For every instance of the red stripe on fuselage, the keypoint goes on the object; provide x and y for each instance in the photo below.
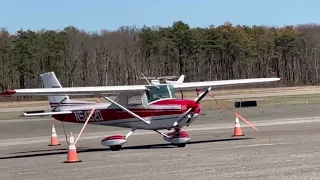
(119, 114)
(114, 114)
(185, 102)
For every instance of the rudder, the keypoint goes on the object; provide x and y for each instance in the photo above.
(181, 79)
(50, 80)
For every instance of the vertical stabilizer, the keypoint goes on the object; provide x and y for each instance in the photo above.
(181, 79)
(50, 81)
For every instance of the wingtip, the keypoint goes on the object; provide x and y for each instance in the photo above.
(279, 79)
(8, 92)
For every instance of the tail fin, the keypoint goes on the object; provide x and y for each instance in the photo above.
(50, 80)
(181, 79)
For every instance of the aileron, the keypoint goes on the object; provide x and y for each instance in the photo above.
(206, 84)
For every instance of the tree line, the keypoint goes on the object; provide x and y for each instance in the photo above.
(227, 51)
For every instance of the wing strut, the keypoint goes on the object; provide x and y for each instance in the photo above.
(125, 109)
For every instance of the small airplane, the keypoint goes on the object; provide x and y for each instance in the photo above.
(159, 108)
(163, 79)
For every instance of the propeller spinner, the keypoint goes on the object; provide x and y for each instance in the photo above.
(189, 111)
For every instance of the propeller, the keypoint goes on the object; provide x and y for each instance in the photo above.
(197, 100)
(202, 95)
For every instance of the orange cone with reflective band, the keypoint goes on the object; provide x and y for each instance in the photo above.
(54, 137)
(237, 128)
(72, 151)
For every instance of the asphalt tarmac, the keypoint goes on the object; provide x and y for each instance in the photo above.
(286, 147)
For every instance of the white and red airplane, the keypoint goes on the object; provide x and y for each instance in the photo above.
(159, 108)
(163, 79)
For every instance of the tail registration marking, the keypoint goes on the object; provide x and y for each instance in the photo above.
(82, 116)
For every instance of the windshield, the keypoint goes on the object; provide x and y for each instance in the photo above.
(160, 92)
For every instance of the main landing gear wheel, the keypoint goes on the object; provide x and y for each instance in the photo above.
(182, 145)
(114, 142)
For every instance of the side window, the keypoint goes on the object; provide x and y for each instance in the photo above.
(134, 101)
(149, 96)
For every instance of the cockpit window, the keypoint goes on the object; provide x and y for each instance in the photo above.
(159, 92)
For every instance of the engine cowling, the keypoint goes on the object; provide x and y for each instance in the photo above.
(180, 137)
(115, 140)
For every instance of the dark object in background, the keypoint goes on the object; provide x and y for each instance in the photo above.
(243, 104)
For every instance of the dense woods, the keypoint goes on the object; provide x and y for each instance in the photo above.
(118, 57)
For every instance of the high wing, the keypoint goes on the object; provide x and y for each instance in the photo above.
(100, 90)
(96, 90)
(221, 83)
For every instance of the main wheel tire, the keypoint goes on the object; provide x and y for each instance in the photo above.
(115, 148)
(181, 145)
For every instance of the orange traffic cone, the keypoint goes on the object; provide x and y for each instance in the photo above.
(237, 128)
(72, 152)
(54, 137)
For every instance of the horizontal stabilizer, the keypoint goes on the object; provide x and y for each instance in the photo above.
(38, 113)
(32, 112)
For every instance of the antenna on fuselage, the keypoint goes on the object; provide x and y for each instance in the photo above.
(145, 79)
(149, 82)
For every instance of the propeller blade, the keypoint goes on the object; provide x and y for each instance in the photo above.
(182, 117)
(202, 95)
(198, 99)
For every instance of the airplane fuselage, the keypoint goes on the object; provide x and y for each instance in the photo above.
(161, 113)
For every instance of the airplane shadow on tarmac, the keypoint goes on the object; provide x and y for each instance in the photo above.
(48, 152)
